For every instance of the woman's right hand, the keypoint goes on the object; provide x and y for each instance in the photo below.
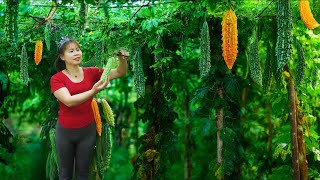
(100, 85)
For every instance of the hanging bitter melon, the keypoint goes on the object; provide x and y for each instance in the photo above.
(47, 35)
(229, 38)
(24, 75)
(301, 64)
(254, 60)
(138, 75)
(11, 21)
(284, 45)
(204, 63)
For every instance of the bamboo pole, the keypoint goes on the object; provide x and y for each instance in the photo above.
(219, 116)
(303, 163)
(293, 123)
(187, 139)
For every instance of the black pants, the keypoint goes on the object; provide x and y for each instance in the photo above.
(75, 149)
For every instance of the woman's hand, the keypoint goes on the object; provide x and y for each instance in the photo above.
(123, 54)
(100, 85)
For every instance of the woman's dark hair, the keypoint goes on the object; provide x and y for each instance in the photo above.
(62, 46)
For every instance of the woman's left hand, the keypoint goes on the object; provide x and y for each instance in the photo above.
(123, 55)
(100, 85)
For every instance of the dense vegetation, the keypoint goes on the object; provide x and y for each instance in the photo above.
(180, 112)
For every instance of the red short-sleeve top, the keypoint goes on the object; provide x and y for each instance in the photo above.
(81, 115)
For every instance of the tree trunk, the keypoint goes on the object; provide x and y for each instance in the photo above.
(270, 126)
(187, 139)
(219, 114)
(293, 123)
(119, 129)
(270, 132)
(303, 163)
(244, 102)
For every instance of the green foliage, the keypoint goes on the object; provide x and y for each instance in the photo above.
(120, 167)
(21, 163)
(282, 172)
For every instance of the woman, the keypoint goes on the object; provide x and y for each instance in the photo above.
(74, 87)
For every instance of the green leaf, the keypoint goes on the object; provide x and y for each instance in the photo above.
(147, 25)
(152, 42)
(154, 23)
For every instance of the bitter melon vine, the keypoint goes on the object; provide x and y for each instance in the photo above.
(83, 11)
(315, 74)
(254, 60)
(267, 74)
(158, 52)
(204, 63)
(24, 75)
(11, 20)
(138, 75)
(99, 54)
(301, 64)
(184, 48)
(284, 33)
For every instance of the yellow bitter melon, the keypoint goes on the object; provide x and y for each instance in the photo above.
(108, 113)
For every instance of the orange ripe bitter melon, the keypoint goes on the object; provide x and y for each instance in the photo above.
(38, 51)
(229, 38)
(306, 15)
